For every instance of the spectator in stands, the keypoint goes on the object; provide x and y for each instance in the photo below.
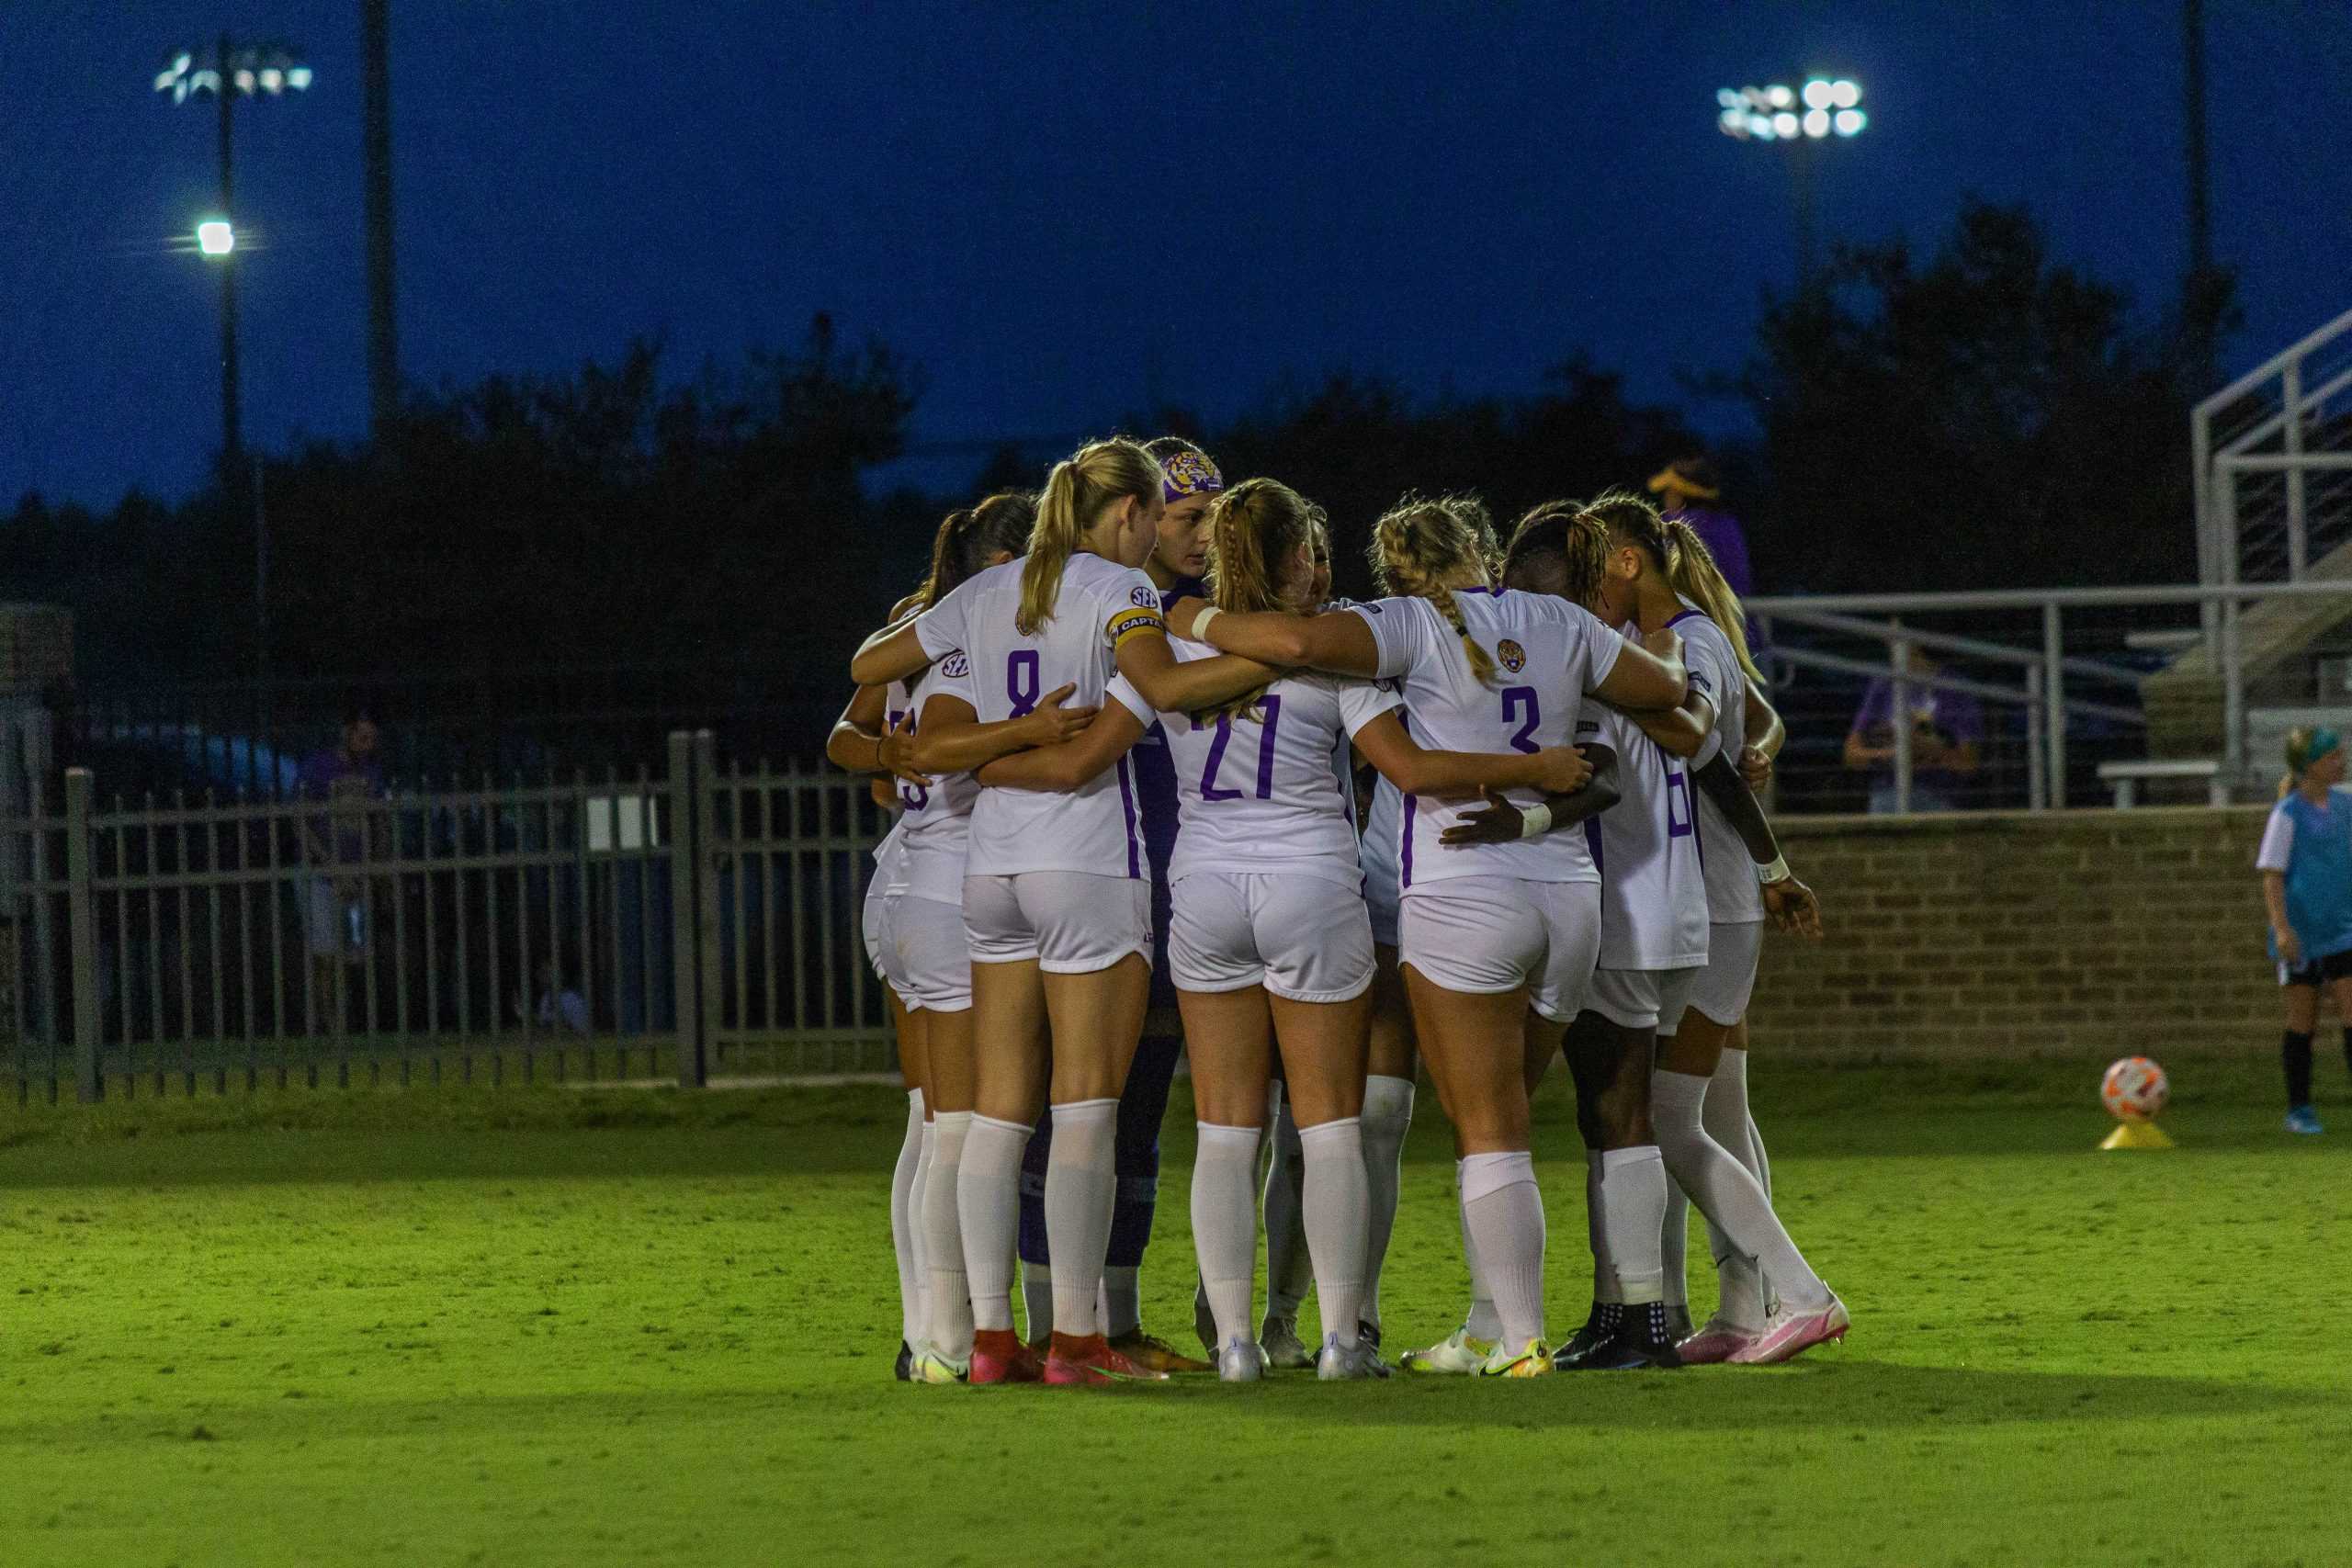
(560, 1007)
(1690, 491)
(348, 777)
(1947, 728)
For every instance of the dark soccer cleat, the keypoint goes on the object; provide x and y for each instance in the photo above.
(1599, 1329)
(905, 1369)
(1644, 1339)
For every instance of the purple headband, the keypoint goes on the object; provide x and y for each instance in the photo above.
(1188, 473)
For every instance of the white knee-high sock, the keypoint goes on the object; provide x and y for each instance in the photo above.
(1723, 1190)
(1482, 1323)
(1744, 1296)
(1505, 1212)
(1674, 1239)
(1289, 1270)
(1387, 1117)
(1225, 1225)
(1337, 1208)
(1081, 1185)
(1632, 1211)
(1605, 1287)
(950, 1314)
(914, 1218)
(988, 1211)
(902, 1224)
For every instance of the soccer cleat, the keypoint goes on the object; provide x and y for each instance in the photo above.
(1794, 1333)
(1087, 1360)
(1204, 1320)
(1150, 1353)
(1457, 1355)
(903, 1369)
(1719, 1341)
(1349, 1363)
(1642, 1340)
(1368, 1336)
(1284, 1348)
(1243, 1360)
(1533, 1360)
(2304, 1120)
(934, 1366)
(1600, 1327)
(998, 1356)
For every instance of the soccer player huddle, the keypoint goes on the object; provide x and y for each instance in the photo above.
(1109, 769)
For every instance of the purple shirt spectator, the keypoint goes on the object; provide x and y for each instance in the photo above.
(1955, 719)
(349, 786)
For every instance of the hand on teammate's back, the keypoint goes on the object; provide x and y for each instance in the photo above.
(1564, 769)
(1181, 614)
(898, 751)
(1496, 823)
(1755, 766)
(1049, 723)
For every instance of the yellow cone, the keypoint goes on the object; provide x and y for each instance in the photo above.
(2136, 1136)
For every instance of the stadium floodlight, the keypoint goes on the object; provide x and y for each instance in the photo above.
(229, 71)
(1824, 106)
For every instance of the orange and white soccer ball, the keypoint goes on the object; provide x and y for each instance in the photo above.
(2135, 1089)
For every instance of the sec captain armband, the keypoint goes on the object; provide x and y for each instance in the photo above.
(1776, 871)
(1128, 623)
(1535, 822)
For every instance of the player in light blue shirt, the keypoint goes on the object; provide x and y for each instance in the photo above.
(2306, 866)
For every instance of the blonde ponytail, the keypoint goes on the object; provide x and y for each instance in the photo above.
(1419, 546)
(1254, 529)
(1082, 487)
(1692, 568)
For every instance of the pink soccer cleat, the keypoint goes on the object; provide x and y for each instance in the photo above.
(1793, 1333)
(1718, 1342)
(998, 1356)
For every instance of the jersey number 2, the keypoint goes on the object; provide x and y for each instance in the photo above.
(1517, 699)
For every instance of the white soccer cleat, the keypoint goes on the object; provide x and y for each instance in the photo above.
(1241, 1362)
(1718, 1342)
(931, 1365)
(1793, 1333)
(1279, 1337)
(1457, 1355)
(1349, 1363)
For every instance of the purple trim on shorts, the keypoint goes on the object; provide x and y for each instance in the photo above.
(1405, 848)
(1127, 817)
(1592, 840)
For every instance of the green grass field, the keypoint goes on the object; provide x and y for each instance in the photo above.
(613, 1327)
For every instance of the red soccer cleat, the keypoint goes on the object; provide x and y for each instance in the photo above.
(998, 1356)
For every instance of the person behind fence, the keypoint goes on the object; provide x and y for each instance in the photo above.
(1947, 730)
(1689, 492)
(561, 1006)
(350, 778)
(2306, 866)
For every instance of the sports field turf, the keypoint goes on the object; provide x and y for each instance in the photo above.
(587, 1326)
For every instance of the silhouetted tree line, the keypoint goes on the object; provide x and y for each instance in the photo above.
(1978, 416)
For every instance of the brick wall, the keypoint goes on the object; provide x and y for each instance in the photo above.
(1986, 934)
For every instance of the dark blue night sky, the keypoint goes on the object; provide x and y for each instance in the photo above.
(1065, 213)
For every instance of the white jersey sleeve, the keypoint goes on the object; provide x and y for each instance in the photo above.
(1123, 692)
(1653, 889)
(1733, 896)
(2277, 840)
(1360, 702)
(942, 629)
(1399, 629)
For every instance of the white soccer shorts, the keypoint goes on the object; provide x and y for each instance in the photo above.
(1068, 922)
(1638, 998)
(1728, 981)
(935, 955)
(1482, 935)
(1305, 939)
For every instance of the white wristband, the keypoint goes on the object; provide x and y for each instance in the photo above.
(1535, 822)
(1776, 871)
(1201, 623)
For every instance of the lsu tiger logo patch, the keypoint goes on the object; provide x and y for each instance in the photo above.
(1512, 655)
(955, 665)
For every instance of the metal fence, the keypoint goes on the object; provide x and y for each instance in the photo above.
(702, 922)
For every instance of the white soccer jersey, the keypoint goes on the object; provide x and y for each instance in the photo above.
(1100, 604)
(1548, 654)
(1733, 896)
(1265, 792)
(938, 816)
(1653, 889)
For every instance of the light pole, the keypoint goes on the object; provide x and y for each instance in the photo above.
(228, 71)
(1823, 107)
